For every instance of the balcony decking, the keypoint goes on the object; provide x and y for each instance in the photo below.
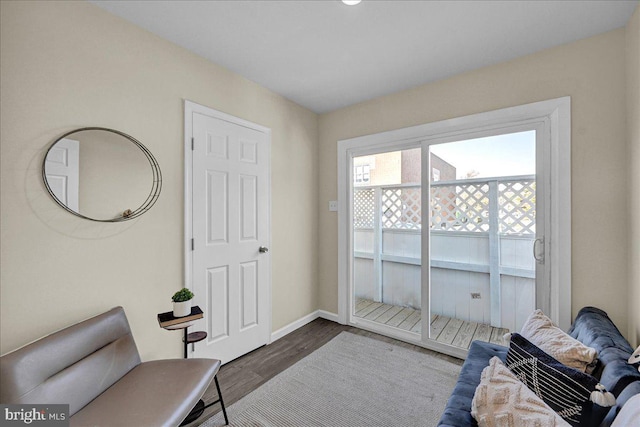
(447, 330)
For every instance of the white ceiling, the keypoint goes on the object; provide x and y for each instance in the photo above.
(324, 55)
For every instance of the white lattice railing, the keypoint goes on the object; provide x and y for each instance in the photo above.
(463, 205)
(401, 207)
(363, 208)
(488, 211)
(517, 206)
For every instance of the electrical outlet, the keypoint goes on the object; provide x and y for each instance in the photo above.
(475, 295)
(333, 206)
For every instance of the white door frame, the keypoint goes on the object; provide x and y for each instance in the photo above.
(190, 108)
(553, 115)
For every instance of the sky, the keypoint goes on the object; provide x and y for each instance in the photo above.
(502, 155)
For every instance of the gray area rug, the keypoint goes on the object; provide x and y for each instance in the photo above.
(351, 381)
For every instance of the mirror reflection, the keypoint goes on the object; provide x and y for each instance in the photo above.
(101, 174)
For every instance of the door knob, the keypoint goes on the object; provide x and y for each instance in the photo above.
(263, 249)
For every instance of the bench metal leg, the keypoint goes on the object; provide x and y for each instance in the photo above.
(224, 410)
(200, 407)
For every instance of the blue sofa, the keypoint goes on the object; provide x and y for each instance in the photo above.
(593, 328)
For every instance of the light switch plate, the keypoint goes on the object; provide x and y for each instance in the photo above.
(333, 206)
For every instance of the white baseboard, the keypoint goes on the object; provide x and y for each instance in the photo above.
(294, 325)
(301, 322)
(328, 315)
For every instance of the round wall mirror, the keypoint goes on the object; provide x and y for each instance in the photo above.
(101, 174)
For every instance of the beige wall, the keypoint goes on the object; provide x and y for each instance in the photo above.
(592, 72)
(70, 64)
(633, 128)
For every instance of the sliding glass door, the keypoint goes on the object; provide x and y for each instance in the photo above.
(445, 229)
(481, 229)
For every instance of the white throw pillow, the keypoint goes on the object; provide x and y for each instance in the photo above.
(541, 331)
(629, 415)
(501, 400)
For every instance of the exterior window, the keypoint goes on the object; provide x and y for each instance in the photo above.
(436, 174)
(362, 174)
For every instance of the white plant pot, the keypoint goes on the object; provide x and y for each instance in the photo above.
(181, 309)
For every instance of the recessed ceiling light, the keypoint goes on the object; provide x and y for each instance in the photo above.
(351, 2)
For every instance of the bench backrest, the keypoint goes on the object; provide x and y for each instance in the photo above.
(73, 365)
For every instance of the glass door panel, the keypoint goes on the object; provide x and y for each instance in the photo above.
(386, 210)
(482, 228)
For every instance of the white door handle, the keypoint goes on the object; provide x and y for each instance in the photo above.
(539, 258)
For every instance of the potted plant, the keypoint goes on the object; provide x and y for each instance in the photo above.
(182, 302)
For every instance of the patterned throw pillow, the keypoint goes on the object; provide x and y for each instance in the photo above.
(541, 331)
(502, 400)
(566, 390)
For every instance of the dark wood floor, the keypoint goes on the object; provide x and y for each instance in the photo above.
(243, 375)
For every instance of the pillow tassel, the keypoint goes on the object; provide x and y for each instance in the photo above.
(602, 397)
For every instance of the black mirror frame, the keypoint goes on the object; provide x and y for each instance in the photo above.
(127, 215)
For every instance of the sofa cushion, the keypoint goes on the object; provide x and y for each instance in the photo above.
(156, 393)
(630, 414)
(594, 328)
(458, 410)
(566, 390)
(540, 330)
(501, 399)
(622, 399)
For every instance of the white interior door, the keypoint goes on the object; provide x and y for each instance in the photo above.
(230, 203)
(63, 173)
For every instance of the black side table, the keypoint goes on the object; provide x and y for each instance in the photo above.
(169, 322)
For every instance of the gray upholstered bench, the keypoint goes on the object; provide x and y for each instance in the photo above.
(94, 366)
